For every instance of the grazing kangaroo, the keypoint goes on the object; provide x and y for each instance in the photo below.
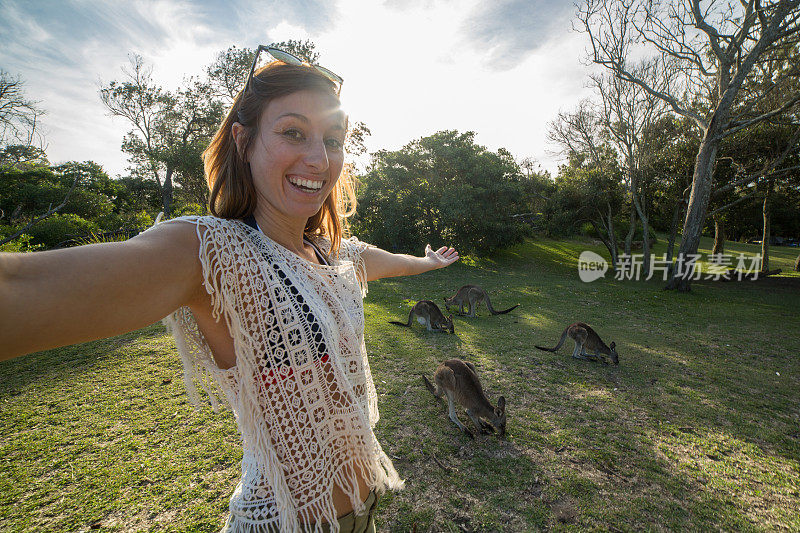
(586, 339)
(459, 381)
(472, 295)
(429, 315)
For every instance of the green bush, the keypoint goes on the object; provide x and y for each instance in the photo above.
(190, 208)
(20, 244)
(59, 228)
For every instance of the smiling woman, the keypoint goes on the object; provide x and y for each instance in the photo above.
(264, 298)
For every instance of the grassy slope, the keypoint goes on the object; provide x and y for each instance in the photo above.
(697, 428)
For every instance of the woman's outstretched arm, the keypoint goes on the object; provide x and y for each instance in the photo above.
(61, 297)
(382, 264)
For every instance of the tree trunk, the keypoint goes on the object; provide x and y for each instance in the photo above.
(641, 209)
(645, 247)
(698, 204)
(673, 232)
(719, 238)
(606, 242)
(166, 193)
(765, 235)
(631, 230)
(612, 236)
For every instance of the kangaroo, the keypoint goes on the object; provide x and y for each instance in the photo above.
(429, 315)
(459, 381)
(472, 295)
(586, 339)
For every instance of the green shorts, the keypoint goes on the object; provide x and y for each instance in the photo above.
(363, 523)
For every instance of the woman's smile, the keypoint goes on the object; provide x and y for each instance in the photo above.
(305, 185)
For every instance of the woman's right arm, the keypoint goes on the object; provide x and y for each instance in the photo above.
(61, 297)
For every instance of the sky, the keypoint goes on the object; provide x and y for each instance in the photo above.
(502, 68)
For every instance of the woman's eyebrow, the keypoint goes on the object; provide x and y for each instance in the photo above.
(290, 114)
(294, 115)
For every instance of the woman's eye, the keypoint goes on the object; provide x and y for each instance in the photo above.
(334, 143)
(293, 134)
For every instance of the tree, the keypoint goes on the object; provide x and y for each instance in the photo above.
(21, 140)
(228, 73)
(142, 103)
(442, 188)
(745, 174)
(186, 131)
(627, 114)
(711, 52)
(170, 129)
(23, 196)
(593, 170)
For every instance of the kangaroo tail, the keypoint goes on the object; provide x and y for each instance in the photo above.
(407, 324)
(506, 311)
(429, 385)
(491, 309)
(557, 346)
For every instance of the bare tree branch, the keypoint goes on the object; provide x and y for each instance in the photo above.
(49, 212)
(711, 214)
(741, 125)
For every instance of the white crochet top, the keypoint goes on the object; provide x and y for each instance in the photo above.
(301, 390)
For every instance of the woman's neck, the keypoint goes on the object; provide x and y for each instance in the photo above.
(287, 232)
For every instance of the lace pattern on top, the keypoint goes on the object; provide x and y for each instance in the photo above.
(301, 390)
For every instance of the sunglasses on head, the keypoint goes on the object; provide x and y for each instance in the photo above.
(291, 59)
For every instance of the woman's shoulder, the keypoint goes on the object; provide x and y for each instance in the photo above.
(353, 246)
(195, 229)
(349, 247)
(201, 220)
(200, 224)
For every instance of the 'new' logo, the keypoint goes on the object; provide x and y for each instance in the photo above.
(591, 266)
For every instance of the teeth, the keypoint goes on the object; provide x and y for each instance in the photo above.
(309, 184)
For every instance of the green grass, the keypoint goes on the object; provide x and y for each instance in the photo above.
(698, 428)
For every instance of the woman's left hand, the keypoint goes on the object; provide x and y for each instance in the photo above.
(442, 257)
(382, 264)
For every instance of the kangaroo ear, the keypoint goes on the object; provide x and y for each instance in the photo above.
(501, 403)
(613, 345)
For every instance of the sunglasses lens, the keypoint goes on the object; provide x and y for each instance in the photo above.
(286, 57)
(291, 59)
(330, 75)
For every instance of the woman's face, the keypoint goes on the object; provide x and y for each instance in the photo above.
(298, 153)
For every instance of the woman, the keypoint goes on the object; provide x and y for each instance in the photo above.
(264, 299)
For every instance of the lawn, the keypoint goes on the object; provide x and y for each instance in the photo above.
(698, 427)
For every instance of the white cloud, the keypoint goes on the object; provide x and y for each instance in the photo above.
(508, 31)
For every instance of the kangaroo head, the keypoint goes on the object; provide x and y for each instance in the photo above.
(499, 421)
(448, 302)
(448, 324)
(614, 356)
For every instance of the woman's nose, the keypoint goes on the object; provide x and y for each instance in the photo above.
(317, 156)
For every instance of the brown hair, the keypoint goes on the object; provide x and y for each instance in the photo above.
(228, 172)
